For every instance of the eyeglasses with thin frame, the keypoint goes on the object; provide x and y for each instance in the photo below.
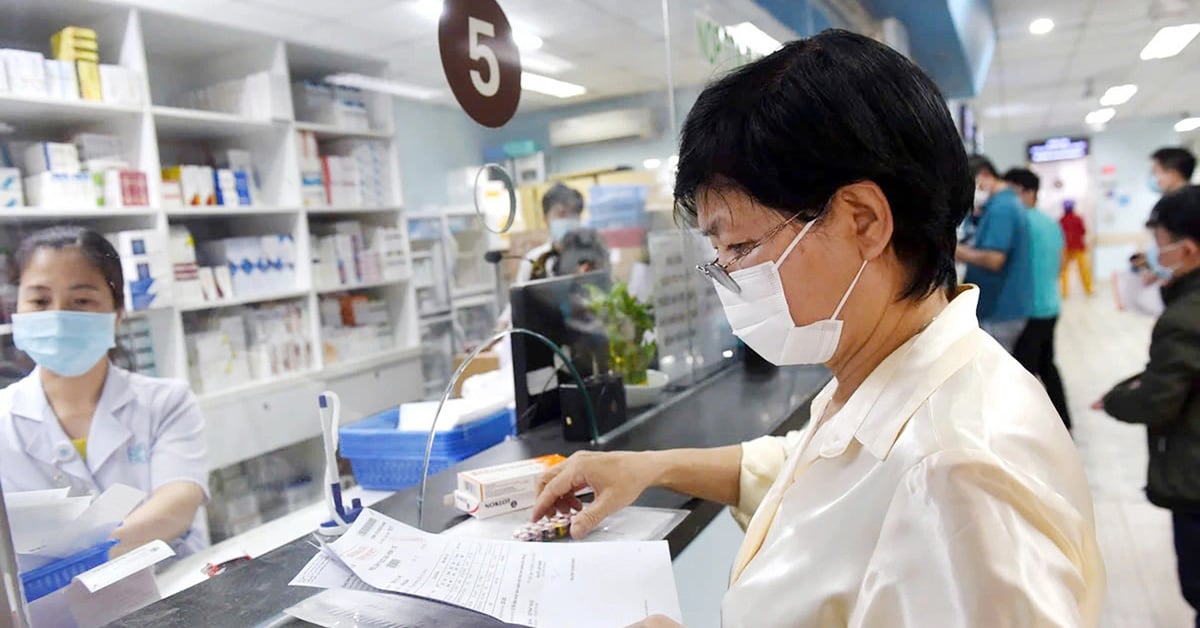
(719, 272)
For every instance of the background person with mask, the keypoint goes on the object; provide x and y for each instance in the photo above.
(1165, 397)
(1035, 347)
(1171, 169)
(80, 421)
(562, 207)
(830, 178)
(999, 261)
(571, 245)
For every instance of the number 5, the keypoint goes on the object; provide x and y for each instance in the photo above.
(475, 28)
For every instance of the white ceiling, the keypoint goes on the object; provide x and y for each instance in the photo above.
(611, 47)
(1049, 82)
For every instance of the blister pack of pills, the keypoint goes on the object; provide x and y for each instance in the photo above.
(545, 529)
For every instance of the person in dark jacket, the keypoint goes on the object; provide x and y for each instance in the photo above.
(1166, 396)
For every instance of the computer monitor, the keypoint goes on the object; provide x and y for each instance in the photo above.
(558, 309)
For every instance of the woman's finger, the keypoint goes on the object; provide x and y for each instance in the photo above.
(558, 487)
(589, 518)
(548, 475)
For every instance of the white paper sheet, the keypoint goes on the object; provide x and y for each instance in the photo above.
(95, 524)
(533, 584)
(633, 523)
(59, 527)
(36, 523)
(325, 572)
(35, 498)
(340, 608)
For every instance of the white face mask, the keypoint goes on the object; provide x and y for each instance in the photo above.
(760, 316)
(981, 197)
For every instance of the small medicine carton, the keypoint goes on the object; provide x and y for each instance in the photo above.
(492, 491)
(11, 194)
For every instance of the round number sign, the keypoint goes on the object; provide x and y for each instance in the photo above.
(480, 59)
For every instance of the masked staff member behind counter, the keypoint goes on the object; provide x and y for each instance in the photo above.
(935, 485)
(80, 421)
(571, 248)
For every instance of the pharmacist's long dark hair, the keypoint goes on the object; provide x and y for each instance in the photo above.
(95, 248)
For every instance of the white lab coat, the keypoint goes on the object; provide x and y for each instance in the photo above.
(145, 433)
(946, 492)
(525, 268)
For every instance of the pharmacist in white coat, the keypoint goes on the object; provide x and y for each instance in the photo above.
(80, 421)
(934, 485)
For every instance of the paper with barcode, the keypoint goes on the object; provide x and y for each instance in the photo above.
(533, 584)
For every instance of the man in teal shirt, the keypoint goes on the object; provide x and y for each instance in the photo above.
(1035, 347)
(999, 261)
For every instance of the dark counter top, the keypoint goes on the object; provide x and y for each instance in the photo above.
(730, 408)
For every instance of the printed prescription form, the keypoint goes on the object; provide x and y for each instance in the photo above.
(532, 584)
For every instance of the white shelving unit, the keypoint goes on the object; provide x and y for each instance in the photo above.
(459, 284)
(246, 300)
(174, 55)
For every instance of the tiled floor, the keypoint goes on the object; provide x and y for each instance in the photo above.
(1096, 347)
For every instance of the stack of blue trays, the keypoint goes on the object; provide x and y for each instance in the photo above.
(386, 459)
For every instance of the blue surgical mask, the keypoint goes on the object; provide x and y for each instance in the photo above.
(560, 227)
(1162, 272)
(1152, 183)
(67, 343)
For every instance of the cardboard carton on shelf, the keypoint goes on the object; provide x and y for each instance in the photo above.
(485, 362)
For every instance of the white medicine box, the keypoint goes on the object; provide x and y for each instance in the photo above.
(11, 192)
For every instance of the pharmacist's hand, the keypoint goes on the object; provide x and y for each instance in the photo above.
(617, 478)
(657, 621)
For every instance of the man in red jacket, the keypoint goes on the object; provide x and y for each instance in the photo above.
(1077, 253)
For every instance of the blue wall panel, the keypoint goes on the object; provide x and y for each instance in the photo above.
(952, 40)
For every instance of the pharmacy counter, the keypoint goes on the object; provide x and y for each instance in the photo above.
(732, 407)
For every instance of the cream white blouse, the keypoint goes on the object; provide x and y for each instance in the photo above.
(946, 492)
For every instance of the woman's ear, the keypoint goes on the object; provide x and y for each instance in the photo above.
(870, 215)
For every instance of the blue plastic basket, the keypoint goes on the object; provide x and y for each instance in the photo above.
(47, 579)
(386, 459)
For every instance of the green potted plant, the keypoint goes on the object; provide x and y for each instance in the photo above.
(631, 344)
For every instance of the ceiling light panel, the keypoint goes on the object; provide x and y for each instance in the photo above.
(550, 87)
(1100, 116)
(1118, 95)
(527, 42)
(431, 9)
(1187, 125)
(1170, 41)
(753, 37)
(1041, 26)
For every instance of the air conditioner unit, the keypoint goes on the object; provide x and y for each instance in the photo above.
(617, 124)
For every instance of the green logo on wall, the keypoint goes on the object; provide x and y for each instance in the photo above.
(719, 47)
